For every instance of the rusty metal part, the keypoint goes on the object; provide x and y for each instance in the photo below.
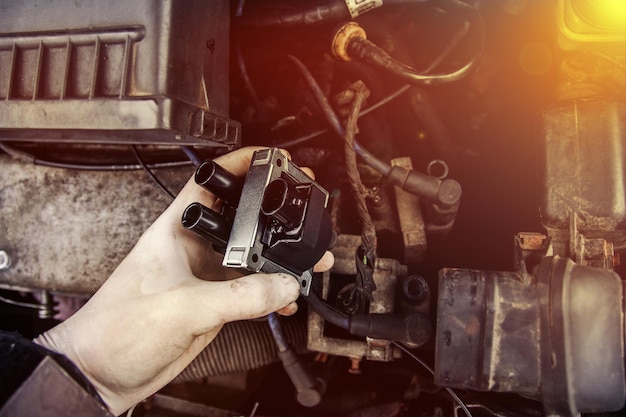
(386, 273)
(511, 332)
(594, 252)
(410, 219)
(39, 205)
(598, 251)
(532, 241)
(529, 249)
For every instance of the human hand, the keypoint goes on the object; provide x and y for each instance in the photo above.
(165, 303)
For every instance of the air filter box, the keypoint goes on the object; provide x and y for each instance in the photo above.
(115, 72)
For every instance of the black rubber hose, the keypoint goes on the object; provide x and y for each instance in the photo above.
(372, 54)
(412, 328)
(291, 13)
(329, 314)
(241, 346)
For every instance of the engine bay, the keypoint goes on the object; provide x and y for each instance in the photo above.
(469, 179)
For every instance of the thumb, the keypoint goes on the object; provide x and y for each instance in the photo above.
(244, 298)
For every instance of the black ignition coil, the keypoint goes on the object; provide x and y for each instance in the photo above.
(273, 221)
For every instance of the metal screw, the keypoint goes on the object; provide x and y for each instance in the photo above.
(5, 260)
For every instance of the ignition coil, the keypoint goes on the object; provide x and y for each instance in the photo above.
(274, 221)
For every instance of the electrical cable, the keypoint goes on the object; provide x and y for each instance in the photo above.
(369, 158)
(290, 14)
(321, 100)
(254, 409)
(429, 369)
(277, 332)
(151, 174)
(192, 155)
(443, 193)
(247, 82)
(110, 168)
(333, 120)
(365, 284)
(375, 106)
(360, 48)
(309, 389)
(20, 303)
(302, 139)
(385, 100)
(240, 5)
(392, 96)
(19, 154)
(449, 47)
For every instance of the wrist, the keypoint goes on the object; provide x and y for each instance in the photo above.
(59, 343)
(27, 367)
